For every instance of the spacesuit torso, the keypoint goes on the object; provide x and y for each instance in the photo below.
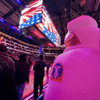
(76, 72)
(75, 75)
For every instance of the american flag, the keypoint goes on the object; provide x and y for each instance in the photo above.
(48, 28)
(31, 14)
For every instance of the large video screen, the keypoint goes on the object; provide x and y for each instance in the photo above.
(31, 14)
(48, 28)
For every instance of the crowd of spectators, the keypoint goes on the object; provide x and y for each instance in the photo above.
(20, 65)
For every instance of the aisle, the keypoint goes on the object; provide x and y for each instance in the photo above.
(30, 96)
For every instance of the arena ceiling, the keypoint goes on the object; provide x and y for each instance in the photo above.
(61, 12)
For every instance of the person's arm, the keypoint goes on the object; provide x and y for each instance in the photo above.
(35, 66)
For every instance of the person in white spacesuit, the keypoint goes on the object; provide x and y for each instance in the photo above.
(76, 72)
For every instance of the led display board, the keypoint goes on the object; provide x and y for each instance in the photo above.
(36, 14)
(48, 28)
(50, 44)
(31, 14)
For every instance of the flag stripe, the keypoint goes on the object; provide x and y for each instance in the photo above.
(31, 15)
(33, 9)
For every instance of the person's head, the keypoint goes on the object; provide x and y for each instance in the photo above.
(3, 48)
(71, 40)
(41, 57)
(85, 30)
(22, 57)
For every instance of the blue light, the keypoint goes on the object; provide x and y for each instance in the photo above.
(13, 27)
(29, 37)
(2, 20)
(19, 31)
(41, 50)
(18, 1)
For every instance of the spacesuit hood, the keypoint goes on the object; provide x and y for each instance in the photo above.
(85, 28)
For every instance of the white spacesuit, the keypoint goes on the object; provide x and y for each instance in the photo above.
(76, 72)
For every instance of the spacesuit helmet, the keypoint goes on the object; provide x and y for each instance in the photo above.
(84, 30)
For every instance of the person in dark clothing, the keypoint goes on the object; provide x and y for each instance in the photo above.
(21, 74)
(7, 78)
(29, 61)
(38, 75)
(48, 65)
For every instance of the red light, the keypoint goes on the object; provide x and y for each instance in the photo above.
(50, 44)
(37, 33)
(83, 2)
(16, 27)
(63, 45)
